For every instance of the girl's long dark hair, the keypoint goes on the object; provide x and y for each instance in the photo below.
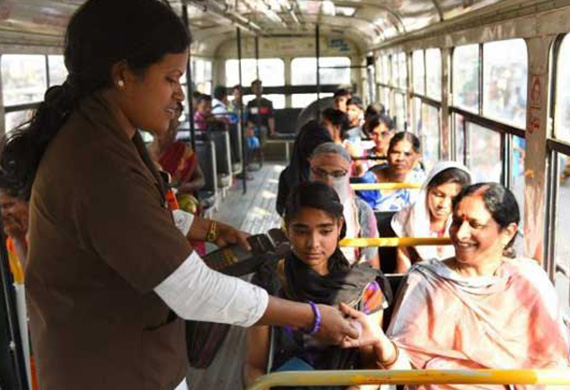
(100, 34)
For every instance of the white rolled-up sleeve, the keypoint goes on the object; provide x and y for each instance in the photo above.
(196, 292)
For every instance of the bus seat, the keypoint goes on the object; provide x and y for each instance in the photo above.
(206, 152)
(285, 120)
(387, 255)
(395, 281)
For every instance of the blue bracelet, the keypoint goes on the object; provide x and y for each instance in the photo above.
(318, 319)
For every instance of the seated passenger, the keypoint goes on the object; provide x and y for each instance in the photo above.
(220, 104)
(311, 135)
(203, 113)
(340, 98)
(356, 119)
(330, 164)
(430, 214)
(314, 271)
(15, 211)
(479, 309)
(380, 130)
(403, 155)
(336, 122)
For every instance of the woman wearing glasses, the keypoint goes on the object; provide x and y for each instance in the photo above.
(330, 164)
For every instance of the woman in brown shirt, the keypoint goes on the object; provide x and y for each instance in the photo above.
(109, 274)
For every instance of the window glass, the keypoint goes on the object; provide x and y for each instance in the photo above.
(395, 71)
(24, 78)
(403, 70)
(16, 118)
(518, 146)
(386, 70)
(303, 71)
(484, 158)
(562, 248)
(400, 111)
(419, 68)
(385, 97)
(417, 115)
(562, 111)
(505, 68)
(433, 77)
(466, 77)
(302, 100)
(57, 70)
(277, 100)
(429, 135)
(378, 69)
(271, 72)
(459, 132)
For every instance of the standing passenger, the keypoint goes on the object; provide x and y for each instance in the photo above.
(340, 98)
(260, 111)
(109, 274)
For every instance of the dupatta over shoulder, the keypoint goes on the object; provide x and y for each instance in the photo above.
(507, 321)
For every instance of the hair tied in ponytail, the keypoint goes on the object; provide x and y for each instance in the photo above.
(60, 98)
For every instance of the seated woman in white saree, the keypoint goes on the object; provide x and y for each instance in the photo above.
(430, 214)
(479, 309)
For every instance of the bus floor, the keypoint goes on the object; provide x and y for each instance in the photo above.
(253, 212)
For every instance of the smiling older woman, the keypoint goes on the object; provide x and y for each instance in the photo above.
(479, 309)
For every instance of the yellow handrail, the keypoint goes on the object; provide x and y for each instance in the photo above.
(384, 186)
(413, 377)
(394, 241)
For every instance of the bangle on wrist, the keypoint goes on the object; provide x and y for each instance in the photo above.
(212, 234)
(318, 319)
(388, 363)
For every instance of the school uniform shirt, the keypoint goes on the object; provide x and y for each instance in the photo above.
(262, 108)
(102, 242)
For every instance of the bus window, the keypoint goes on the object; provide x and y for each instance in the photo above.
(277, 100)
(562, 248)
(303, 71)
(16, 118)
(271, 72)
(562, 113)
(386, 70)
(504, 81)
(57, 70)
(518, 146)
(395, 79)
(24, 78)
(202, 75)
(466, 77)
(433, 74)
(429, 133)
(400, 111)
(419, 72)
(302, 100)
(484, 158)
(385, 98)
(403, 70)
(459, 134)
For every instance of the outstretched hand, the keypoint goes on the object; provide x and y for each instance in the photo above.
(335, 328)
(370, 333)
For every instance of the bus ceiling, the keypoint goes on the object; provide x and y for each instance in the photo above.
(365, 23)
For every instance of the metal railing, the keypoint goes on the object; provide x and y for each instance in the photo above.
(394, 241)
(413, 377)
(384, 186)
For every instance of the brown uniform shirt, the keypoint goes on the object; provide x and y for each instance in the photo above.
(100, 240)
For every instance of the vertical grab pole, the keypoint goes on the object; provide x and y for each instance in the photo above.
(257, 57)
(15, 347)
(189, 82)
(318, 55)
(240, 121)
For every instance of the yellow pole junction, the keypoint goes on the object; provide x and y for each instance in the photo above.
(394, 241)
(413, 377)
(384, 186)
